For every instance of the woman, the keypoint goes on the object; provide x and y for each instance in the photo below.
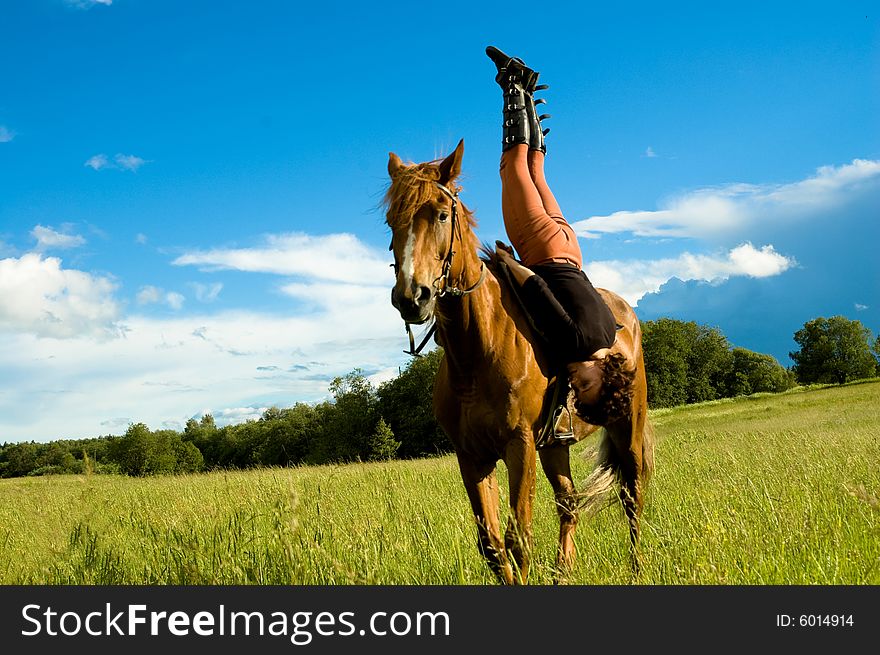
(577, 327)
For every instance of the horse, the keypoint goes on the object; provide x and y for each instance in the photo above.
(491, 386)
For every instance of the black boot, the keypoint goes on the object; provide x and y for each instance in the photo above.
(514, 76)
(536, 132)
(517, 123)
(512, 69)
(511, 74)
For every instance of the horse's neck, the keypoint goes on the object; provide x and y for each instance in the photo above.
(468, 325)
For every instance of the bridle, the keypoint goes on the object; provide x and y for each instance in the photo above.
(442, 285)
(447, 288)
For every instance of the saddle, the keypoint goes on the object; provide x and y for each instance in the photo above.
(556, 416)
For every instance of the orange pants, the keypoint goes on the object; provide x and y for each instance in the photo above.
(532, 217)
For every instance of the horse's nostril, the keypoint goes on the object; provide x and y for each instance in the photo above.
(423, 295)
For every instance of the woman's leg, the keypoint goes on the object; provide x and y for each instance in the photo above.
(532, 217)
(536, 170)
(521, 204)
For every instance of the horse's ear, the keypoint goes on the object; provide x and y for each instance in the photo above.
(394, 164)
(450, 168)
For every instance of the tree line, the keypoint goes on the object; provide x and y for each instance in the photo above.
(685, 363)
(360, 423)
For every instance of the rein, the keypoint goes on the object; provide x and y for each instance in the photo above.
(442, 284)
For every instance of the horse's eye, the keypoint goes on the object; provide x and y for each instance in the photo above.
(444, 216)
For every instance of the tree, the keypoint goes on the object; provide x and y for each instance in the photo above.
(351, 421)
(55, 458)
(189, 458)
(876, 349)
(690, 363)
(382, 444)
(833, 350)
(18, 459)
(709, 361)
(664, 346)
(288, 434)
(205, 436)
(143, 452)
(753, 372)
(406, 403)
(132, 451)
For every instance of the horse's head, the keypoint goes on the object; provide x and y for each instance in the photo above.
(424, 215)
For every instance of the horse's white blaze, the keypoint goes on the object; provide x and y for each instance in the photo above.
(407, 267)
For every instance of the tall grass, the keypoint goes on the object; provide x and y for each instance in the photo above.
(762, 490)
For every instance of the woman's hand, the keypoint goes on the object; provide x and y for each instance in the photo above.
(505, 254)
(504, 251)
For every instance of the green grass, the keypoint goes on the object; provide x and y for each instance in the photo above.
(763, 490)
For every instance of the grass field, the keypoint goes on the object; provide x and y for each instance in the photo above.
(763, 490)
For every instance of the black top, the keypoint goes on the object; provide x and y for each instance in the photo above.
(566, 309)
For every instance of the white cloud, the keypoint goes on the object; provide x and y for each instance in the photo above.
(649, 153)
(233, 415)
(149, 295)
(173, 368)
(6, 135)
(735, 208)
(386, 374)
(120, 162)
(633, 279)
(141, 238)
(207, 292)
(39, 297)
(334, 257)
(860, 307)
(329, 295)
(746, 260)
(47, 239)
(87, 4)
(165, 368)
(175, 300)
(129, 162)
(97, 162)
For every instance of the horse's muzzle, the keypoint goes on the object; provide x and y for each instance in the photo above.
(416, 304)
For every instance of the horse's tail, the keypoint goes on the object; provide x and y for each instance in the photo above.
(596, 490)
(611, 467)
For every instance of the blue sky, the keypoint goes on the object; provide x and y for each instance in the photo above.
(189, 192)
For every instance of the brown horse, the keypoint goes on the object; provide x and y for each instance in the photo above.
(491, 386)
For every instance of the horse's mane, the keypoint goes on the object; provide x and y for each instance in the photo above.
(411, 187)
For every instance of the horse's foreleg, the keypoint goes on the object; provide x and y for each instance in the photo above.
(482, 490)
(557, 468)
(519, 457)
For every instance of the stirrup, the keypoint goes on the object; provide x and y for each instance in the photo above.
(552, 437)
(563, 436)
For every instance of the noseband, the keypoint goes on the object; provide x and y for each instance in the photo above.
(442, 285)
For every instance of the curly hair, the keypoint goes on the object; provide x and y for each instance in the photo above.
(615, 399)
